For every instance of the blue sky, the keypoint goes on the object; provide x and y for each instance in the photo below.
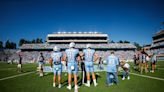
(132, 20)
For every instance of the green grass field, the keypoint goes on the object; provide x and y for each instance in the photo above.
(33, 83)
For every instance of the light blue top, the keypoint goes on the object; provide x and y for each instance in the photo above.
(71, 55)
(112, 62)
(56, 56)
(89, 54)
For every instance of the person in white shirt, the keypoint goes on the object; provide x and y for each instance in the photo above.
(126, 70)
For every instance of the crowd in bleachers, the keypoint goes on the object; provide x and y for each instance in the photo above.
(8, 54)
(158, 44)
(32, 56)
(99, 46)
(156, 51)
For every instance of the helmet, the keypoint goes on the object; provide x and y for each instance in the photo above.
(88, 46)
(55, 48)
(72, 44)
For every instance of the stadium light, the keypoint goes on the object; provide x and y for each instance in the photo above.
(85, 32)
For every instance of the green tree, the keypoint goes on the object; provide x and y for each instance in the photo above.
(1, 44)
(126, 41)
(13, 45)
(22, 41)
(163, 23)
(120, 41)
(39, 40)
(10, 45)
(33, 41)
(112, 41)
(138, 46)
(7, 45)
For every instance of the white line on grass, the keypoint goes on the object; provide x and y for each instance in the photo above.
(156, 78)
(13, 68)
(10, 77)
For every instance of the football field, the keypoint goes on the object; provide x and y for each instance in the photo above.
(29, 81)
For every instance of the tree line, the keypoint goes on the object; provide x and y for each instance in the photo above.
(8, 45)
(138, 46)
(12, 45)
(34, 41)
(120, 41)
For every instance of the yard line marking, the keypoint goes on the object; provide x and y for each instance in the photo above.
(15, 68)
(156, 78)
(10, 77)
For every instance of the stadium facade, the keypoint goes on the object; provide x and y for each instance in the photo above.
(77, 37)
(158, 40)
(157, 46)
(98, 41)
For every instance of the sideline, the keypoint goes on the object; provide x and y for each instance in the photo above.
(150, 77)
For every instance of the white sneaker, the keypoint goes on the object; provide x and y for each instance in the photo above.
(76, 87)
(88, 85)
(54, 85)
(41, 74)
(123, 78)
(59, 86)
(110, 84)
(128, 78)
(95, 84)
(76, 90)
(69, 87)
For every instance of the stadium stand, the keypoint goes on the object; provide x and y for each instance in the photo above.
(157, 46)
(99, 41)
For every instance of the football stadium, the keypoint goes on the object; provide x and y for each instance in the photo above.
(29, 79)
(81, 45)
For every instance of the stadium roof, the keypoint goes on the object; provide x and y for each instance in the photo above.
(159, 33)
(95, 32)
(77, 35)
